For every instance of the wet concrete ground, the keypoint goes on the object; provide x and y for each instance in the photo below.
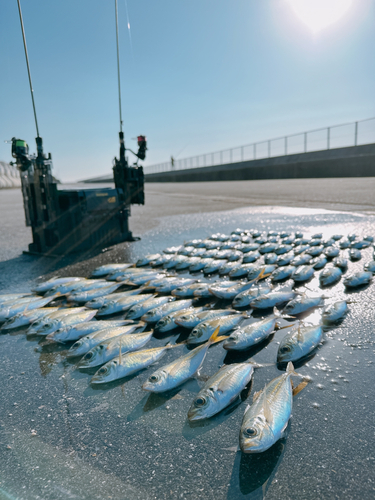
(121, 443)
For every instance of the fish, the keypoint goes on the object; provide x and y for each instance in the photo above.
(142, 308)
(10, 309)
(186, 291)
(303, 273)
(358, 279)
(258, 271)
(102, 301)
(301, 260)
(154, 315)
(370, 266)
(330, 276)
(169, 322)
(331, 252)
(176, 259)
(251, 257)
(303, 303)
(361, 244)
(344, 244)
(269, 258)
(129, 363)
(52, 324)
(141, 279)
(174, 283)
(144, 261)
(109, 349)
(229, 293)
(191, 319)
(84, 344)
(268, 247)
(27, 317)
(243, 299)
(355, 254)
(284, 260)
(281, 273)
(77, 331)
(187, 263)
(107, 269)
(221, 390)
(314, 251)
(83, 297)
(83, 285)
(51, 283)
(334, 312)
(229, 267)
(122, 304)
(11, 297)
(283, 249)
(204, 330)
(201, 264)
(243, 338)
(341, 263)
(266, 420)
(214, 266)
(130, 271)
(178, 371)
(299, 343)
(272, 299)
(319, 262)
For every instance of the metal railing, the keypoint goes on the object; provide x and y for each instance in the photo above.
(336, 136)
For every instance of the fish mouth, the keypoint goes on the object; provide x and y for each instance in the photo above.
(229, 343)
(51, 336)
(194, 416)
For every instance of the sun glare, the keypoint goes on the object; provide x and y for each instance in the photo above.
(318, 14)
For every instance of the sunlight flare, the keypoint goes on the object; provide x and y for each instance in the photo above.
(318, 14)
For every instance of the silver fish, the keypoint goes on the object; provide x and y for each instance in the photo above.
(169, 322)
(330, 276)
(200, 264)
(7, 310)
(27, 317)
(174, 283)
(243, 299)
(154, 315)
(341, 263)
(11, 297)
(50, 325)
(221, 390)
(83, 285)
(243, 338)
(77, 331)
(299, 343)
(83, 297)
(84, 344)
(109, 269)
(193, 318)
(142, 308)
(266, 419)
(334, 312)
(204, 330)
(147, 260)
(47, 285)
(302, 303)
(122, 304)
(186, 291)
(129, 363)
(102, 301)
(358, 279)
(109, 349)
(303, 273)
(272, 299)
(178, 371)
(281, 273)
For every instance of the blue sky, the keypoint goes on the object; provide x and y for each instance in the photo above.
(200, 76)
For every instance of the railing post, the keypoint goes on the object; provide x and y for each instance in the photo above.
(255, 151)
(356, 134)
(241, 153)
(269, 149)
(286, 145)
(305, 142)
(328, 136)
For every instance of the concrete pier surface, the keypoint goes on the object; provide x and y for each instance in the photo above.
(162, 199)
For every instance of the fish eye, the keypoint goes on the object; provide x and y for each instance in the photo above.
(88, 355)
(153, 378)
(200, 401)
(47, 325)
(286, 348)
(250, 431)
(103, 370)
(162, 322)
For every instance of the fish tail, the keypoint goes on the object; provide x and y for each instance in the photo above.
(213, 337)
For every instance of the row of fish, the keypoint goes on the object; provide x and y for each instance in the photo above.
(140, 292)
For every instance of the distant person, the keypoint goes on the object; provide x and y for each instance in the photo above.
(172, 162)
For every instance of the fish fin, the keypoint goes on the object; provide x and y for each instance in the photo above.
(276, 312)
(256, 395)
(299, 334)
(220, 339)
(266, 408)
(213, 337)
(290, 370)
(300, 387)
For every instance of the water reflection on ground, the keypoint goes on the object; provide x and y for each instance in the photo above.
(62, 438)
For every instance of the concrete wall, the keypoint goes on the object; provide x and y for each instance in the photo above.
(356, 161)
(9, 176)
